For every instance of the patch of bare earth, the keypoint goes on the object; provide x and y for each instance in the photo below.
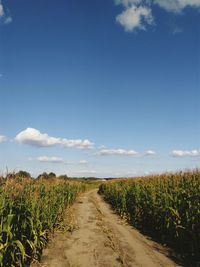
(100, 238)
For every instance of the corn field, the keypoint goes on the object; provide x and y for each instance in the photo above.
(29, 210)
(166, 207)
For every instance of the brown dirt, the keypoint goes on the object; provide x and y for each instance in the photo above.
(100, 238)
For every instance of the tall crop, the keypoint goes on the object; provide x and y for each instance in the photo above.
(165, 206)
(28, 210)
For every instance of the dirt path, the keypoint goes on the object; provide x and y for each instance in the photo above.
(102, 239)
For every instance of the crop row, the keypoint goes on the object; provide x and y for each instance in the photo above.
(29, 210)
(166, 207)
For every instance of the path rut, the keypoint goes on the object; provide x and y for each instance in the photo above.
(101, 238)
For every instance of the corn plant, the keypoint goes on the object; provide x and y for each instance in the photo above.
(28, 211)
(165, 206)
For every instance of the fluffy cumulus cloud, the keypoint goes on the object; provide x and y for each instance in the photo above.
(31, 136)
(34, 137)
(1, 10)
(137, 14)
(117, 152)
(186, 153)
(3, 138)
(135, 17)
(4, 17)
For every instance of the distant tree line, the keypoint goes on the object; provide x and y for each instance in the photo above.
(51, 175)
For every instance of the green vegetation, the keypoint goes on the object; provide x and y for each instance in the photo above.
(29, 210)
(166, 207)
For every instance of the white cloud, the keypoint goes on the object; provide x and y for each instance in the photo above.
(87, 171)
(4, 16)
(124, 152)
(102, 147)
(34, 137)
(1, 10)
(8, 20)
(80, 162)
(186, 153)
(127, 3)
(117, 152)
(55, 159)
(169, 5)
(83, 162)
(135, 18)
(150, 153)
(3, 138)
(177, 5)
(81, 144)
(136, 14)
(177, 30)
(50, 159)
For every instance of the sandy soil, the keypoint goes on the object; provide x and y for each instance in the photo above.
(100, 238)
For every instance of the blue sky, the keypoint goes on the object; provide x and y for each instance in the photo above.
(103, 88)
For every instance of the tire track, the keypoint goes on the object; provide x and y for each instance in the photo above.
(101, 238)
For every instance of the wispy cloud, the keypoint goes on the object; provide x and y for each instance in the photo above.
(86, 172)
(81, 144)
(177, 30)
(8, 20)
(117, 152)
(50, 159)
(186, 153)
(124, 152)
(137, 14)
(177, 6)
(34, 137)
(102, 147)
(55, 159)
(127, 3)
(83, 162)
(3, 138)
(150, 153)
